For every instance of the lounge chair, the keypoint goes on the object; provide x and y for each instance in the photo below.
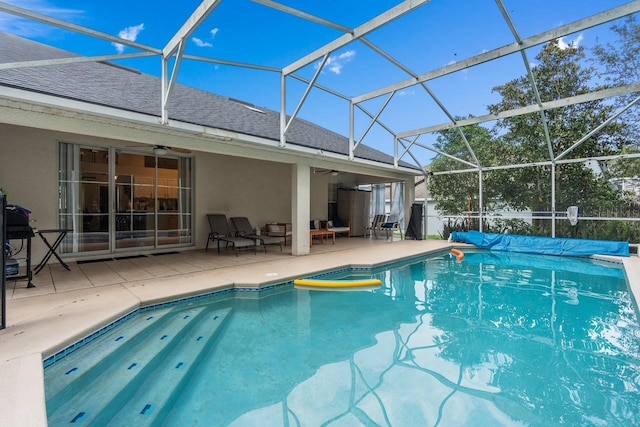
(378, 220)
(220, 232)
(244, 229)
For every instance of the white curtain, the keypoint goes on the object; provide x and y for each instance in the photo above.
(378, 202)
(397, 203)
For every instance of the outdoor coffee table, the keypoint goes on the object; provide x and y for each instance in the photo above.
(321, 234)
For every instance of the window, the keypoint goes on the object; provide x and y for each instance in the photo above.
(151, 199)
(332, 200)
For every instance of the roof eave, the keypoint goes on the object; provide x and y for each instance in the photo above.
(32, 109)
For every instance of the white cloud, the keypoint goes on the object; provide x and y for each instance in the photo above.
(201, 43)
(27, 28)
(575, 43)
(130, 33)
(408, 92)
(336, 63)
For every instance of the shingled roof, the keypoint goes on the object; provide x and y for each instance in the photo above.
(126, 89)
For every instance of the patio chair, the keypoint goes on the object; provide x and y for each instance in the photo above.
(220, 232)
(280, 230)
(378, 220)
(337, 226)
(390, 226)
(243, 228)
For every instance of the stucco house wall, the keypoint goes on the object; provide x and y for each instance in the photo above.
(234, 186)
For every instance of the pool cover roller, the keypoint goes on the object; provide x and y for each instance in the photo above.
(541, 245)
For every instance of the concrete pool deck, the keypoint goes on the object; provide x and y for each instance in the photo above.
(66, 305)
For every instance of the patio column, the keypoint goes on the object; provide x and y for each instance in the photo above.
(300, 208)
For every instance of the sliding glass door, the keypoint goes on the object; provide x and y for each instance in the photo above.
(150, 199)
(135, 191)
(174, 201)
(83, 204)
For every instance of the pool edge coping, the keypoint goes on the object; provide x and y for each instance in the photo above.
(27, 404)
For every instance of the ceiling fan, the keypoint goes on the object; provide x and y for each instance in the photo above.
(331, 172)
(161, 150)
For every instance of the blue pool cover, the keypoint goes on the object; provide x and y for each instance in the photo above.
(541, 245)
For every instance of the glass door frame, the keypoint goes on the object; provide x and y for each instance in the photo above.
(72, 209)
(135, 215)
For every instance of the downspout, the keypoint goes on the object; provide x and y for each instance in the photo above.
(283, 109)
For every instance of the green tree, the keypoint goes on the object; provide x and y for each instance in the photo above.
(618, 64)
(559, 74)
(626, 168)
(457, 193)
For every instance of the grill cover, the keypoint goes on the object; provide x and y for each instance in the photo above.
(16, 218)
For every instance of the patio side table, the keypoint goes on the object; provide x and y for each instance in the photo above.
(62, 233)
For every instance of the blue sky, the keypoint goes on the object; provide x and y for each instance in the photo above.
(439, 33)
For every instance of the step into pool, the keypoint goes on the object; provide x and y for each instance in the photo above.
(497, 339)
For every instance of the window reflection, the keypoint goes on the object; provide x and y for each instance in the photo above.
(152, 202)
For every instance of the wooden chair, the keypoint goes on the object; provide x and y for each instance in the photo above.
(280, 229)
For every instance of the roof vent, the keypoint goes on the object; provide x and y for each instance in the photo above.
(247, 105)
(257, 110)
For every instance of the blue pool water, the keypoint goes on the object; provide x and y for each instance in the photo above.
(499, 339)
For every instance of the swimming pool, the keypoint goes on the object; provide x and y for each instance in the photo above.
(499, 339)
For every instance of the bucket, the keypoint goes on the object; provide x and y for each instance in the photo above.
(12, 267)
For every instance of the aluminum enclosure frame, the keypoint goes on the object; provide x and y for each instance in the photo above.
(405, 142)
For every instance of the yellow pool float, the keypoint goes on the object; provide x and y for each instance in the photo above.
(338, 284)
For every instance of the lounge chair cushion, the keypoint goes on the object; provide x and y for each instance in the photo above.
(238, 242)
(274, 228)
(331, 225)
(279, 230)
